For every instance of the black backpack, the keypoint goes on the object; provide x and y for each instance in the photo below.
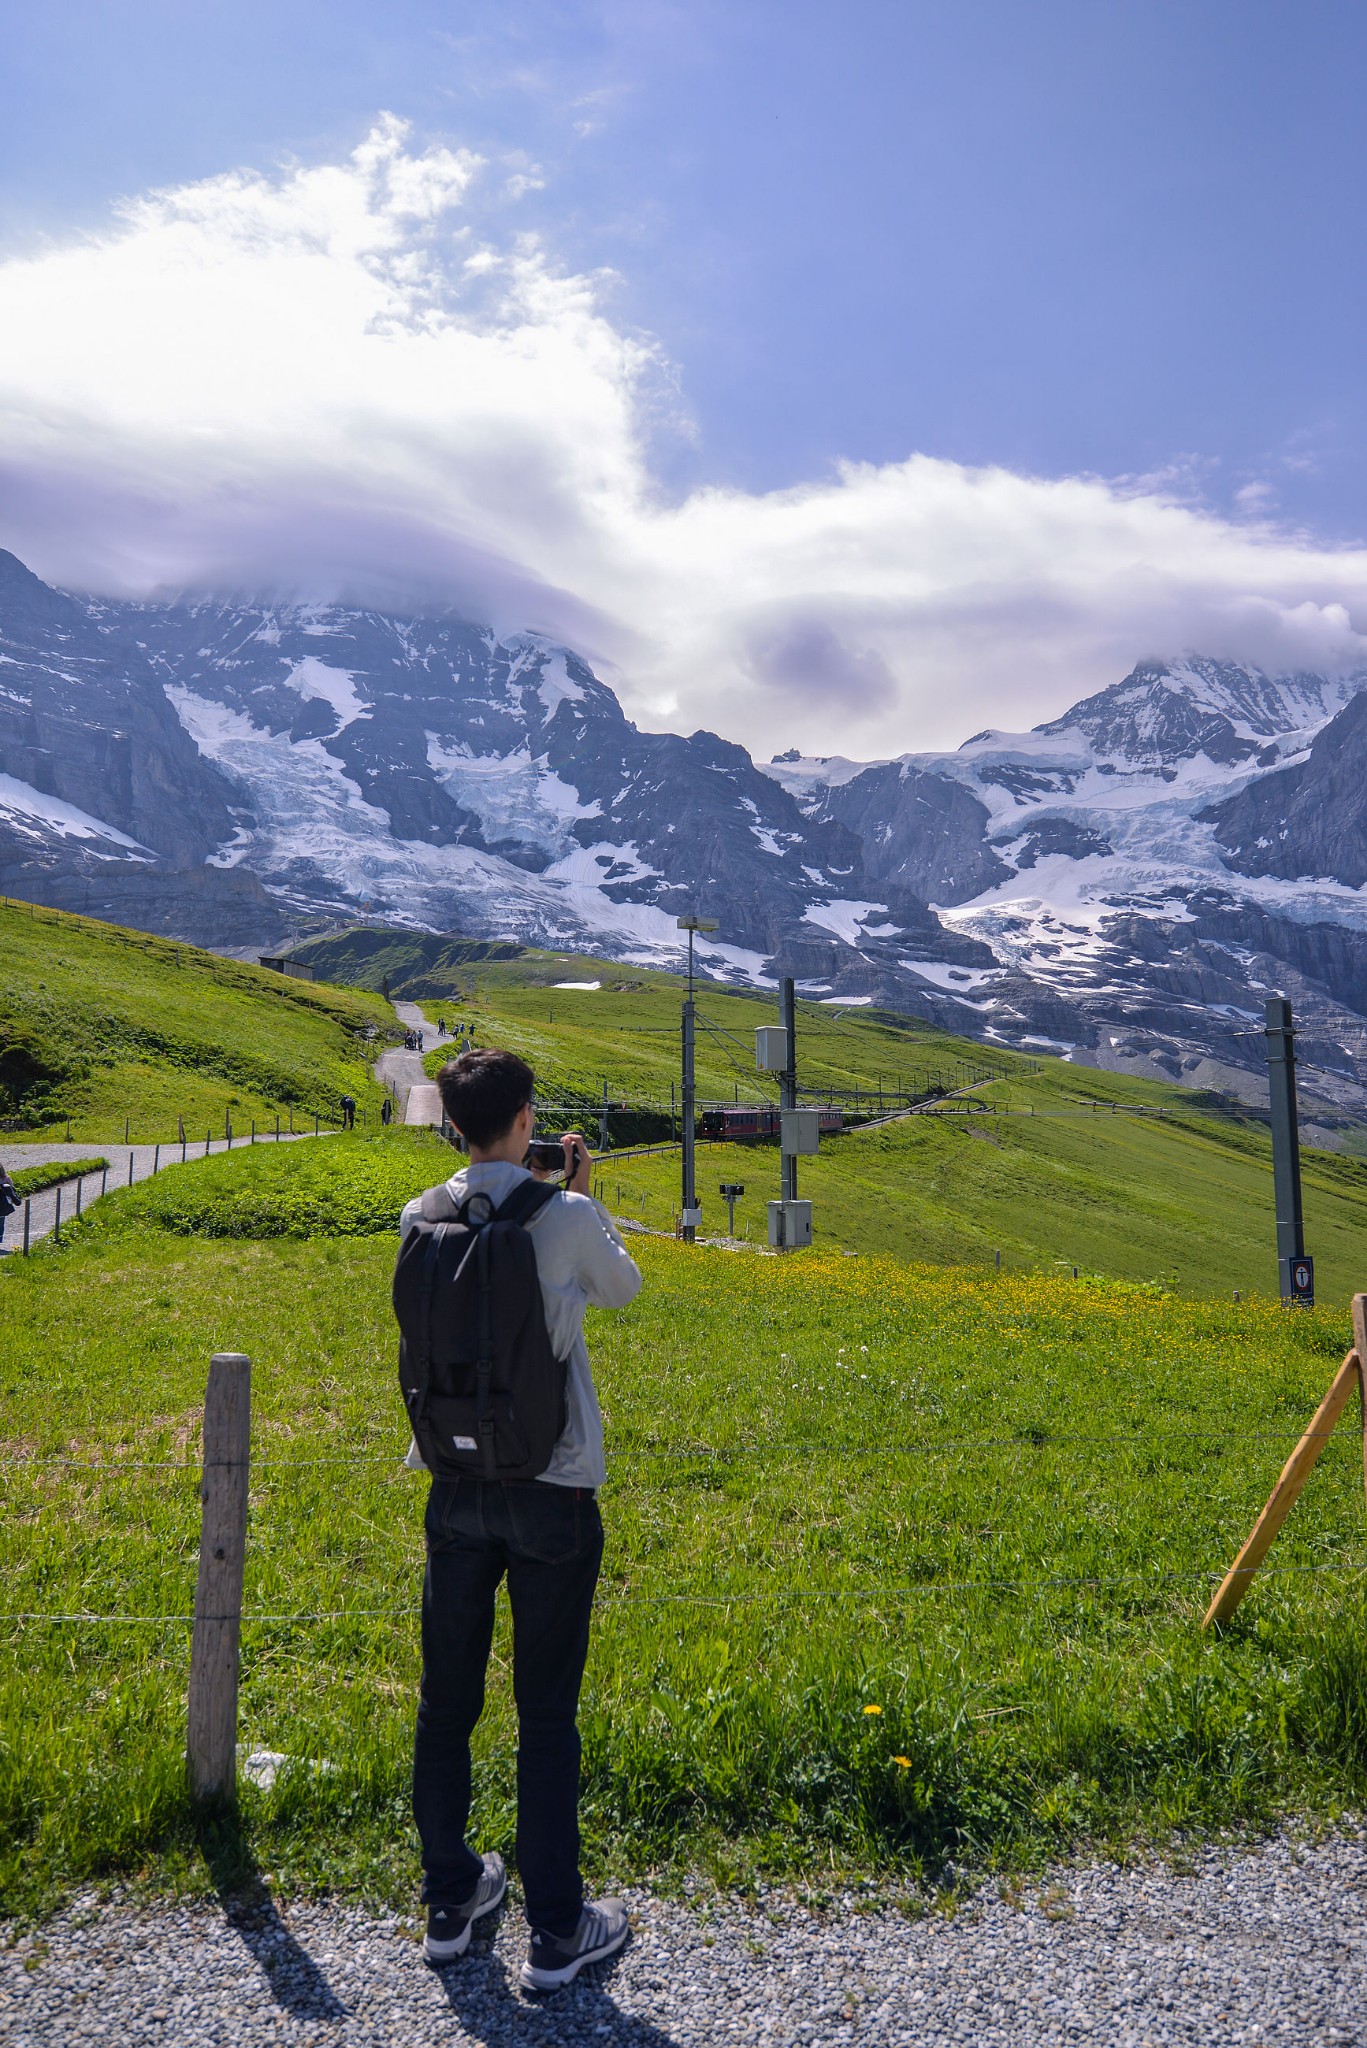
(485, 1392)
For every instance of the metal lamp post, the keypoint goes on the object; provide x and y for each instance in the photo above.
(690, 1213)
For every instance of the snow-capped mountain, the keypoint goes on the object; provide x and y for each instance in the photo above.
(1146, 868)
(1127, 881)
(352, 763)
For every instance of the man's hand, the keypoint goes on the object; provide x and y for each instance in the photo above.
(578, 1163)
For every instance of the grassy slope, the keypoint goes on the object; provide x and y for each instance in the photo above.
(1185, 1196)
(1015, 1579)
(99, 1023)
(1130, 1198)
(627, 1034)
(31, 1180)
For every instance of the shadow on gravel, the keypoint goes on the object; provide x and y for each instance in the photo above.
(295, 1980)
(485, 1997)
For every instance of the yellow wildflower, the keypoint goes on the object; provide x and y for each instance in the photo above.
(873, 1710)
(904, 1761)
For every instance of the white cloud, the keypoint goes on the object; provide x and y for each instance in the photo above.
(330, 381)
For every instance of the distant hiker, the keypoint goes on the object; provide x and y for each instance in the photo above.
(514, 1497)
(348, 1112)
(387, 1111)
(441, 1027)
(420, 1043)
(10, 1200)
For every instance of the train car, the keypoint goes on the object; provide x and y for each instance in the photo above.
(747, 1123)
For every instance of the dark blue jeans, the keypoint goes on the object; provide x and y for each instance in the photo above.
(549, 1542)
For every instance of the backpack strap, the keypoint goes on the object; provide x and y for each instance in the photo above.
(484, 1361)
(527, 1199)
(439, 1205)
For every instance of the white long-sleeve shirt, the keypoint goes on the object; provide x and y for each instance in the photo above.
(580, 1259)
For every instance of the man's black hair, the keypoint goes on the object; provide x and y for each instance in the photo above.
(482, 1093)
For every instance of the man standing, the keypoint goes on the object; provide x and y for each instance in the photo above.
(10, 1200)
(546, 1536)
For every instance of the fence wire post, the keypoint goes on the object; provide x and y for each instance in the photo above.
(26, 1220)
(212, 1717)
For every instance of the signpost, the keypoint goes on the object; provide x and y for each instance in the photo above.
(730, 1192)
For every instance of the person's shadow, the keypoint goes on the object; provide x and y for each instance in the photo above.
(295, 1980)
(483, 1993)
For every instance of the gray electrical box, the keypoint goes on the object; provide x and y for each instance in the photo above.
(799, 1130)
(771, 1049)
(790, 1225)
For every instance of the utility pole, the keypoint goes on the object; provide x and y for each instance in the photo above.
(1295, 1272)
(787, 1080)
(690, 1213)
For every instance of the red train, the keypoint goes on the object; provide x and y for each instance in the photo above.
(741, 1122)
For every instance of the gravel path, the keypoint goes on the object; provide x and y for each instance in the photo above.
(419, 1102)
(1265, 1947)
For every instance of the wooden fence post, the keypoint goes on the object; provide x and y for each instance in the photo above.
(212, 1726)
(1294, 1474)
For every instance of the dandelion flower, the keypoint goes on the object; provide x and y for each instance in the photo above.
(873, 1710)
(904, 1761)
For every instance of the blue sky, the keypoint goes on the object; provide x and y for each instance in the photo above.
(1067, 240)
(1058, 236)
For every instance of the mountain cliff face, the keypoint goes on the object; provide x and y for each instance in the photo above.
(1306, 820)
(336, 762)
(1126, 882)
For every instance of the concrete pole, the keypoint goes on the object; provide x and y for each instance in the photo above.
(787, 1080)
(690, 1179)
(1286, 1151)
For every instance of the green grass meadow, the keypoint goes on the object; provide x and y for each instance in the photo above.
(905, 1573)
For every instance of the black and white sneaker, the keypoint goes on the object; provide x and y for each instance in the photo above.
(553, 1959)
(449, 1927)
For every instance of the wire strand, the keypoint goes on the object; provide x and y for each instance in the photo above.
(645, 1448)
(676, 1597)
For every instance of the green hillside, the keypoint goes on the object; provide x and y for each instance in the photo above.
(624, 1033)
(414, 966)
(1181, 1202)
(1133, 1179)
(99, 1024)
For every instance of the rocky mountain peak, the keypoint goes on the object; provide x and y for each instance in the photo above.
(1168, 712)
